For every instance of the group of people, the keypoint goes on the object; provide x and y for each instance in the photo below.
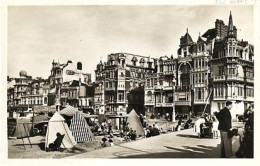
(152, 130)
(227, 132)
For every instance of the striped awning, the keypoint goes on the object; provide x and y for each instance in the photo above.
(68, 110)
(40, 119)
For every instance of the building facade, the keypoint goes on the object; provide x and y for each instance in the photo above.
(204, 75)
(119, 83)
(232, 68)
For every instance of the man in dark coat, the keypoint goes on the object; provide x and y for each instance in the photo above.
(224, 118)
(155, 130)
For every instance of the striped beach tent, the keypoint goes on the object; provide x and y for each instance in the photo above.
(80, 128)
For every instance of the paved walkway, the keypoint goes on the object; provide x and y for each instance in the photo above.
(181, 144)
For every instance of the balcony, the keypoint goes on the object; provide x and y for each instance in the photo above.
(168, 73)
(219, 98)
(97, 91)
(63, 96)
(251, 80)
(249, 99)
(158, 87)
(167, 88)
(201, 101)
(110, 89)
(201, 69)
(148, 87)
(182, 103)
(219, 78)
(121, 101)
(149, 103)
(234, 77)
(164, 105)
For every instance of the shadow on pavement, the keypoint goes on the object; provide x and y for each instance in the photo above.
(199, 151)
(187, 136)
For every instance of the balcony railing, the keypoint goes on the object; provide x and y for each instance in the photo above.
(112, 88)
(234, 77)
(168, 72)
(98, 91)
(251, 80)
(149, 103)
(164, 104)
(167, 88)
(201, 101)
(158, 87)
(179, 103)
(219, 78)
(219, 97)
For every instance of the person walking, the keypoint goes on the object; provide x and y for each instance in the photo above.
(224, 118)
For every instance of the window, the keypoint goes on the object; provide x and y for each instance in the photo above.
(148, 82)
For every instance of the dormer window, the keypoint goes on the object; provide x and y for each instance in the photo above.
(134, 60)
(142, 61)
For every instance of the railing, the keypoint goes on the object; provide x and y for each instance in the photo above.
(167, 88)
(183, 102)
(219, 97)
(219, 78)
(158, 87)
(98, 91)
(234, 77)
(250, 80)
(113, 88)
(168, 72)
(149, 103)
(200, 101)
(164, 104)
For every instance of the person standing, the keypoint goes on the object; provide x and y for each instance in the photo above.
(224, 118)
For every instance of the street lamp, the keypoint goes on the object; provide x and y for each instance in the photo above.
(173, 99)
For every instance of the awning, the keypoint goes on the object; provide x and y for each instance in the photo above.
(44, 109)
(40, 119)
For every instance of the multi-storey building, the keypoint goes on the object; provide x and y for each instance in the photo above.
(77, 96)
(20, 86)
(36, 93)
(10, 91)
(232, 68)
(61, 73)
(205, 74)
(119, 83)
(181, 83)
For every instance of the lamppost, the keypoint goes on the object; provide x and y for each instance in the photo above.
(173, 99)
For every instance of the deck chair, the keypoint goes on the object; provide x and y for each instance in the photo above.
(55, 146)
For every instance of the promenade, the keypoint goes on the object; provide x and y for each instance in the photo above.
(181, 144)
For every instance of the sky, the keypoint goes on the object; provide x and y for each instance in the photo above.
(37, 35)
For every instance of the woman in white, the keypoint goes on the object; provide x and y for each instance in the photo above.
(215, 130)
(197, 125)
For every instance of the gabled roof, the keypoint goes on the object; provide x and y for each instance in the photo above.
(210, 33)
(186, 39)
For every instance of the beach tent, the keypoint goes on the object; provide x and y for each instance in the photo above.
(80, 128)
(135, 123)
(57, 124)
(19, 127)
(68, 110)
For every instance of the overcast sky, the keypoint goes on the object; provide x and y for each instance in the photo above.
(37, 35)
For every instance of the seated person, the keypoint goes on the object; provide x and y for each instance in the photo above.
(57, 143)
(133, 135)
